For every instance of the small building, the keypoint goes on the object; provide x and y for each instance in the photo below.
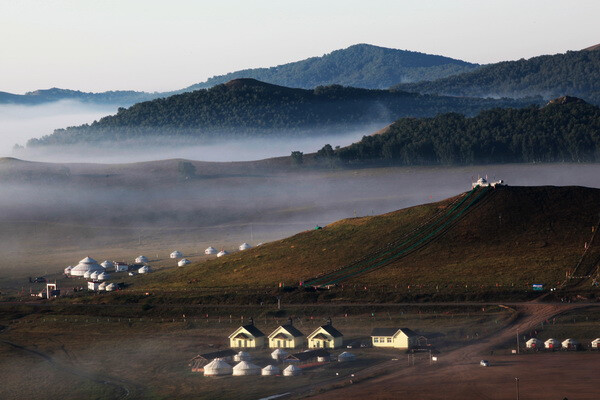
(534, 343)
(144, 270)
(309, 356)
(111, 287)
(121, 267)
(102, 276)
(279, 354)
(552, 344)
(345, 357)
(197, 363)
(102, 286)
(222, 253)
(93, 285)
(292, 370)
(596, 343)
(247, 336)
(183, 262)
(210, 251)
(270, 370)
(87, 265)
(570, 344)
(399, 338)
(176, 254)
(107, 265)
(286, 336)
(242, 356)
(94, 275)
(217, 367)
(244, 246)
(325, 336)
(246, 368)
(141, 259)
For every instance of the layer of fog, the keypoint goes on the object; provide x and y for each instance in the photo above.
(19, 123)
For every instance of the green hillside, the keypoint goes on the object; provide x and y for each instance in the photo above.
(565, 130)
(575, 73)
(512, 237)
(249, 108)
(360, 65)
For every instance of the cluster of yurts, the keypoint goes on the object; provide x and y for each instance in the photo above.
(553, 344)
(219, 366)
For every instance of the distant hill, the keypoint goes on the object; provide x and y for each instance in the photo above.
(248, 108)
(361, 65)
(117, 98)
(567, 129)
(512, 237)
(575, 73)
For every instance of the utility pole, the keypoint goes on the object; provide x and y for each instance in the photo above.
(517, 383)
(518, 342)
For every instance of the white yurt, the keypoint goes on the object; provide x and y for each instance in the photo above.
(246, 368)
(68, 270)
(86, 275)
(144, 270)
(552, 344)
(141, 259)
(279, 354)
(94, 275)
(242, 356)
(292, 370)
(596, 343)
(570, 344)
(345, 356)
(184, 261)
(270, 370)
(176, 254)
(222, 253)
(110, 287)
(244, 246)
(217, 367)
(210, 250)
(102, 276)
(534, 343)
(107, 265)
(85, 265)
(102, 286)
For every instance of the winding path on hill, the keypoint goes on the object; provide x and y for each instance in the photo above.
(457, 364)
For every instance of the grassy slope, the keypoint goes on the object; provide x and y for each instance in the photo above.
(519, 235)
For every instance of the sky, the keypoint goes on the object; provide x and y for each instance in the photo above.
(150, 45)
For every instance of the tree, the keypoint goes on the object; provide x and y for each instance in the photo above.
(297, 157)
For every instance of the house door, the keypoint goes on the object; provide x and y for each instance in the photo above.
(239, 343)
(278, 343)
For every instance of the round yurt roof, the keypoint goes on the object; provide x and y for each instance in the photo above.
(596, 340)
(86, 274)
(183, 261)
(246, 368)
(552, 340)
(94, 275)
(107, 264)
(102, 276)
(569, 341)
(217, 367)
(145, 269)
(68, 269)
(141, 259)
(85, 265)
(222, 253)
(244, 246)
(279, 352)
(176, 254)
(110, 287)
(345, 354)
(292, 370)
(270, 370)
(102, 286)
(210, 250)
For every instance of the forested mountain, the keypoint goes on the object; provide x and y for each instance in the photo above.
(565, 130)
(361, 65)
(575, 73)
(246, 107)
(117, 98)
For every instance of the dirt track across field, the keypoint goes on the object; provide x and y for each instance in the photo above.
(458, 375)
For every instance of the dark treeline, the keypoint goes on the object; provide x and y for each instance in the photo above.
(576, 73)
(249, 108)
(563, 131)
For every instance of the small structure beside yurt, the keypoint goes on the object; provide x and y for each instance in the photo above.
(244, 246)
(222, 253)
(210, 250)
(176, 254)
(270, 370)
(110, 287)
(308, 357)
(570, 344)
(144, 270)
(88, 264)
(286, 336)
(596, 344)
(197, 363)
(107, 265)
(325, 336)
(292, 370)
(242, 356)
(345, 357)
(534, 343)
(551, 344)
(247, 336)
(279, 354)
(217, 367)
(141, 259)
(183, 262)
(245, 368)
(121, 267)
(93, 285)
(399, 338)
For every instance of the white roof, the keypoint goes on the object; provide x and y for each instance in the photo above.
(222, 253)
(111, 287)
(270, 370)
(292, 370)
(102, 286)
(141, 259)
(244, 246)
(596, 340)
(183, 261)
(246, 367)
(345, 354)
(176, 254)
(217, 367)
(551, 340)
(210, 250)
(87, 264)
(534, 340)
(569, 341)
(102, 276)
(145, 269)
(279, 352)
(107, 264)
(94, 275)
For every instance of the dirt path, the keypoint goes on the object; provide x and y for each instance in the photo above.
(449, 378)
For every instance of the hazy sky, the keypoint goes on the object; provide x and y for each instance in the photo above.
(151, 45)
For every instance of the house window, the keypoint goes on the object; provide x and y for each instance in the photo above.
(375, 340)
(389, 340)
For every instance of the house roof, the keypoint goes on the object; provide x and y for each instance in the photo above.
(332, 331)
(392, 332)
(291, 329)
(320, 336)
(307, 355)
(241, 335)
(251, 329)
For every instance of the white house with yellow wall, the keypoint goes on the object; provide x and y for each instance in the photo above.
(325, 336)
(287, 337)
(399, 338)
(247, 336)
